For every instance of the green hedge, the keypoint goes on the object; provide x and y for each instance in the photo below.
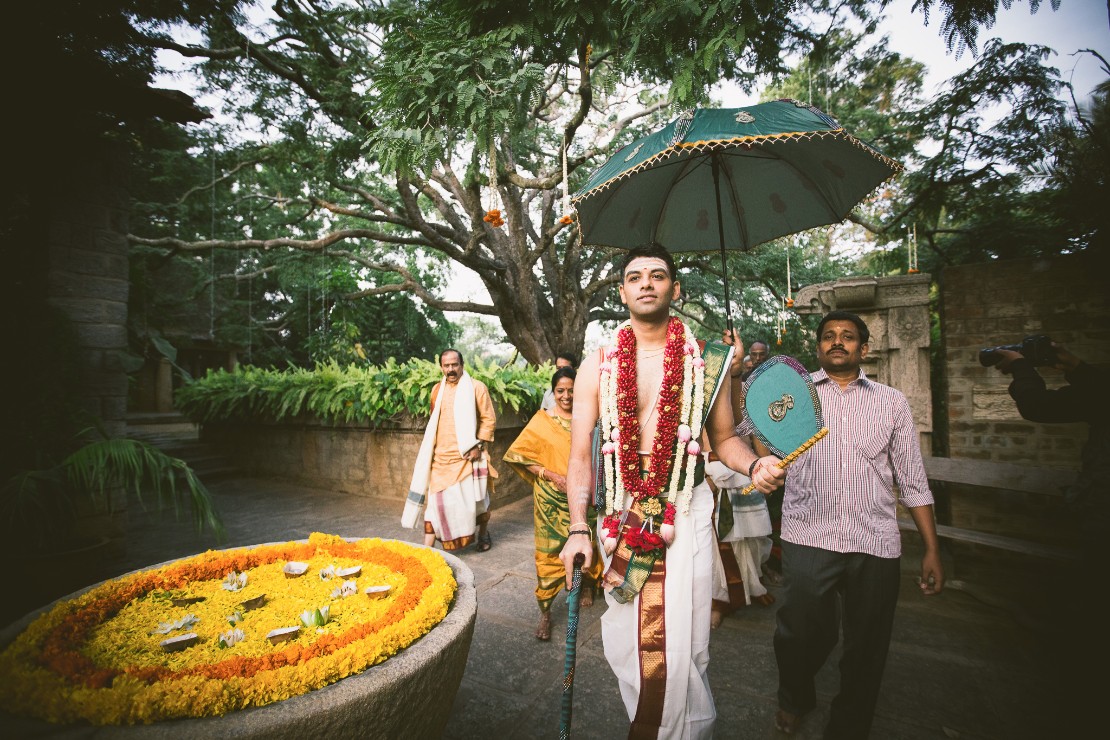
(352, 393)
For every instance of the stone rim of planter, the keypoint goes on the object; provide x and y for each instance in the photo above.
(365, 705)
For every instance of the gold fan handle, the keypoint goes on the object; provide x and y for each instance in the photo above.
(783, 463)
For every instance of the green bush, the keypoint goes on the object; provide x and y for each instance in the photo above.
(352, 393)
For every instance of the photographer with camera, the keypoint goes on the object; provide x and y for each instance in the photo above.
(1086, 398)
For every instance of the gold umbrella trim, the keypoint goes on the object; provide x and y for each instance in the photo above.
(697, 147)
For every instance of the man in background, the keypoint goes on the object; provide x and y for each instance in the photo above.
(450, 474)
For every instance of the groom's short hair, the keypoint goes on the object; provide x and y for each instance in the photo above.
(658, 251)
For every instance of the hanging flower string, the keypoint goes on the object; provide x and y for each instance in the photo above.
(493, 215)
(789, 294)
(679, 407)
(911, 252)
(567, 218)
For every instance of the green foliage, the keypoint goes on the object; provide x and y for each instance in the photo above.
(378, 117)
(37, 504)
(373, 394)
(974, 194)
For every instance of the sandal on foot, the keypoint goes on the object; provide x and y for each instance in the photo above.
(484, 542)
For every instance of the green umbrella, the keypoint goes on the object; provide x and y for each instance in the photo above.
(730, 178)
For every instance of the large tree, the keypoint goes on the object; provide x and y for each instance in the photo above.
(396, 126)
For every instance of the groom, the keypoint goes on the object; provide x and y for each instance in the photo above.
(646, 387)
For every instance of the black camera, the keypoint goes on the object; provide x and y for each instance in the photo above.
(1037, 349)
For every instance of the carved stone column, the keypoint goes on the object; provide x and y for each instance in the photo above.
(896, 310)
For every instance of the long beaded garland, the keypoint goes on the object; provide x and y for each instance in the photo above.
(680, 405)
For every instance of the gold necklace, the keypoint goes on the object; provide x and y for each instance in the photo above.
(647, 353)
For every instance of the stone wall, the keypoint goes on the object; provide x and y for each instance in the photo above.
(88, 276)
(1064, 297)
(896, 310)
(376, 463)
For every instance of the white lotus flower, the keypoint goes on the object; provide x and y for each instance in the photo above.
(348, 588)
(229, 638)
(164, 628)
(234, 581)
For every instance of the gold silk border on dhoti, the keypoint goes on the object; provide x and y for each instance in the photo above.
(628, 571)
(653, 656)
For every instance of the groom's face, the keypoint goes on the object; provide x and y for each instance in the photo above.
(451, 364)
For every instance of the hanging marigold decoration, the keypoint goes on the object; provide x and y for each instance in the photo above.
(567, 218)
(493, 215)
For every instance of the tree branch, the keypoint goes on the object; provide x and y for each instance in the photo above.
(408, 284)
(306, 245)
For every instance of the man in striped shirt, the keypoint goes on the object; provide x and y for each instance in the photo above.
(840, 538)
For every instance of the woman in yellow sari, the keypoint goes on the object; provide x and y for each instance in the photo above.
(540, 455)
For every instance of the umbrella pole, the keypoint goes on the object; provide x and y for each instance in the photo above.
(714, 158)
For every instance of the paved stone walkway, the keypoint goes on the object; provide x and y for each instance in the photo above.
(958, 668)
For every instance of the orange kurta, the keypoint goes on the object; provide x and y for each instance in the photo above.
(448, 465)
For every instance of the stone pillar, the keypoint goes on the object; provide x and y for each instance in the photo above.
(163, 386)
(88, 276)
(896, 310)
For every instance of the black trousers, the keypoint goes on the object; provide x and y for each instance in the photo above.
(822, 590)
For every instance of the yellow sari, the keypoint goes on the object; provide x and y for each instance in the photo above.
(546, 442)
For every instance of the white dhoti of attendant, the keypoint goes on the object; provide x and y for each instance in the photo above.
(750, 536)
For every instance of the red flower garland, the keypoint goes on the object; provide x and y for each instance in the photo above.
(666, 429)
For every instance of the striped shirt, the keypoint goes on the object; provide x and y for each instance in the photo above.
(840, 494)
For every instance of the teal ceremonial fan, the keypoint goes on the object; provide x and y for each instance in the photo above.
(781, 408)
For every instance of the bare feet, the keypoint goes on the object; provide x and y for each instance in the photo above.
(586, 598)
(787, 723)
(543, 632)
(771, 577)
(764, 600)
(715, 618)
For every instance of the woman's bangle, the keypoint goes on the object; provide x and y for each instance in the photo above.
(751, 468)
(576, 524)
(541, 475)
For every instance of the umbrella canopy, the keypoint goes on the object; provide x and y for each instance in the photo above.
(730, 178)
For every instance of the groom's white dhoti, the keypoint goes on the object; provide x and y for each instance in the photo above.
(661, 663)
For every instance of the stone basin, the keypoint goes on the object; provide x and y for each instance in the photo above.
(408, 696)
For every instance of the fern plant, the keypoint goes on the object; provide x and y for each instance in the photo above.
(38, 505)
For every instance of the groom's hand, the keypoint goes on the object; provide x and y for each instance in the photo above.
(578, 545)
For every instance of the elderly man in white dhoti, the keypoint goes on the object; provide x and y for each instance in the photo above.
(652, 389)
(450, 479)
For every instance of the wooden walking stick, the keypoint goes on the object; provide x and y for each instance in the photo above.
(572, 647)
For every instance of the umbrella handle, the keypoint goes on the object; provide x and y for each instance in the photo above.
(572, 646)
